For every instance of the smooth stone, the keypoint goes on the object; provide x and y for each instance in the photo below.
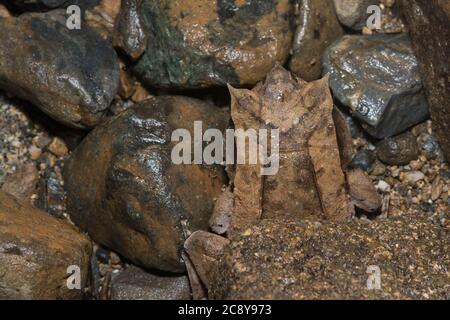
(204, 43)
(413, 176)
(399, 150)
(135, 284)
(429, 23)
(129, 34)
(317, 28)
(377, 78)
(123, 188)
(353, 13)
(324, 260)
(72, 75)
(36, 251)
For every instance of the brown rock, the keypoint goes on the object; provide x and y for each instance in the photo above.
(317, 28)
(58, 147)
(22, 184)
(353, 13)
(129, 35)
(123, 188)
(399, 150)
(328, 260)
(135, 284)
(429, 23)
(35, 252)
(72, 75)
(204, 43)
(204, 250)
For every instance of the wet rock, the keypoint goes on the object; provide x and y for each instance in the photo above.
(129, 35)
(202, 43)
(35, 252)
(141, 199)
(323, 260)
(102, 255)
(204, 250)
(317, 28)
(399, 150)
(429, 22)
(135, 284)
(49, 4)
(431, 147)
(22, 184)
(353, 13)
(378, 78)
(72, 75)
(51, 195)
(363, 159)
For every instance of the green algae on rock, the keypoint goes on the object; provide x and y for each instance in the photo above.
(123, 188)
(202, 43)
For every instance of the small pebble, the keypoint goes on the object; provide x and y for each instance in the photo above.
(412, 176)
(383, 186)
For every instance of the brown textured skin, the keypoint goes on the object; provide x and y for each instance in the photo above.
(204, 250)
(429, 23)
(310, 180)
(344, 138)
(317, 28)
(35, 251)
(124, 190)
(363, 193)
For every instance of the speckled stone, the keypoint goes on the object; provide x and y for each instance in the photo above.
(399, 150)
(324, 260)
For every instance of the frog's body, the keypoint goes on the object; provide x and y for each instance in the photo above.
(310, 181)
